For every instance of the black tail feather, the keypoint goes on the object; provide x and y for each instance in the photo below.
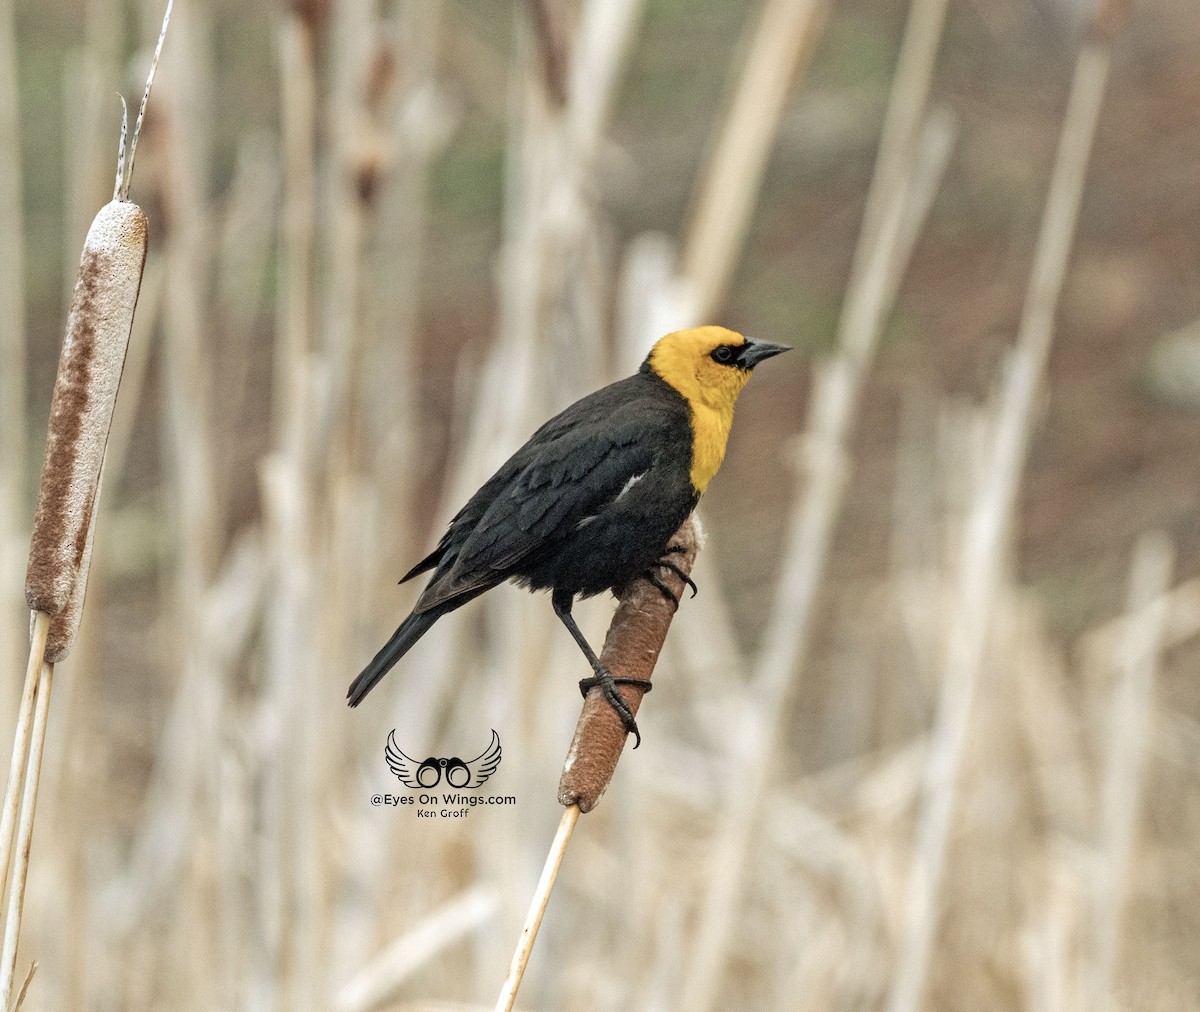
(410, 630)
(426, 564)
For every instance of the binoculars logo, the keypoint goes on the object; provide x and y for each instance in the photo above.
(422, 775)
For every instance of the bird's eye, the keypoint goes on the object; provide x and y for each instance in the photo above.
(723, 354)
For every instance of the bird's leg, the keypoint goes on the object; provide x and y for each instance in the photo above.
(602, 677)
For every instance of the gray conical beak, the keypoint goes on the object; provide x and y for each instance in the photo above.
(754, 352)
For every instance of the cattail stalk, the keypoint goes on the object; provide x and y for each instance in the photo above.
(20, 872)
(20, 753)
(635, 638)
(537, 909)
(85, 393)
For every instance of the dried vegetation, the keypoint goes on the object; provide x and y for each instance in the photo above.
(988, 818)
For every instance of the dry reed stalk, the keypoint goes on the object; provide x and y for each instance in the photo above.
(635, 639)
(413, 122)
(606, 34)
(1182, 602)
(455, 919)
(23, 991)
(727, 192)
(13, 426)
(317, 460)
(1129, 721)
(341, 333)
(293, 332)
(1051, 732)
(20, 750)
(290, 839)
(24, 838)
(980, 560)
(805, 550)
(263, 930)
(902, 121)
(537, 909)
(405, 122)
(1046, 953)
(349, 187)
(228, 619)
(189, 417)
(555, 270)
(173, 826)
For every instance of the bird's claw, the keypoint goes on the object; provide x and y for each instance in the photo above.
(663, 589)
(608, 685)
(665, 563)
(687, 580)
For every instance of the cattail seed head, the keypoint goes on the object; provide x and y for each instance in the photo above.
(631, 648)
(85, 392)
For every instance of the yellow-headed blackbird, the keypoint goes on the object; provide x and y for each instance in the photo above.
(590, 501)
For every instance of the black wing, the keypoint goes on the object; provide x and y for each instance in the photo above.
(585, 412)
(569, 470)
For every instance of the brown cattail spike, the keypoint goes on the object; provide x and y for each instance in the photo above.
(631, 649)
(64, 626)
(89, 372)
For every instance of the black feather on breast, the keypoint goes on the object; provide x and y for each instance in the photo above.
(586, 505)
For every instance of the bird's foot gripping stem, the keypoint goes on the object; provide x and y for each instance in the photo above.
(608, 685)
(665, 563)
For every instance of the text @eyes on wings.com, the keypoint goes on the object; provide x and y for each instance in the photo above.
(453, 806)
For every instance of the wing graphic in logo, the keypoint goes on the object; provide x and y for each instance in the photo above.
(409, 771)
(474, 773)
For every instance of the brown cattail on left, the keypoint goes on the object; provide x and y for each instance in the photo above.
(81, 411)
(85, 392)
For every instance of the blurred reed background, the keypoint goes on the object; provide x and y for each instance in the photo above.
(930, 735)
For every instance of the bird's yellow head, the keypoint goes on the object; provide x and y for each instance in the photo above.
(708, 366)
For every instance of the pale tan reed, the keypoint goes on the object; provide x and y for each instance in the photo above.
(537, 909)
(979, 575)
(210, 843)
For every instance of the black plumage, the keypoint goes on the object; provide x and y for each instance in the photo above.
(586, 505)
(590, 502)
